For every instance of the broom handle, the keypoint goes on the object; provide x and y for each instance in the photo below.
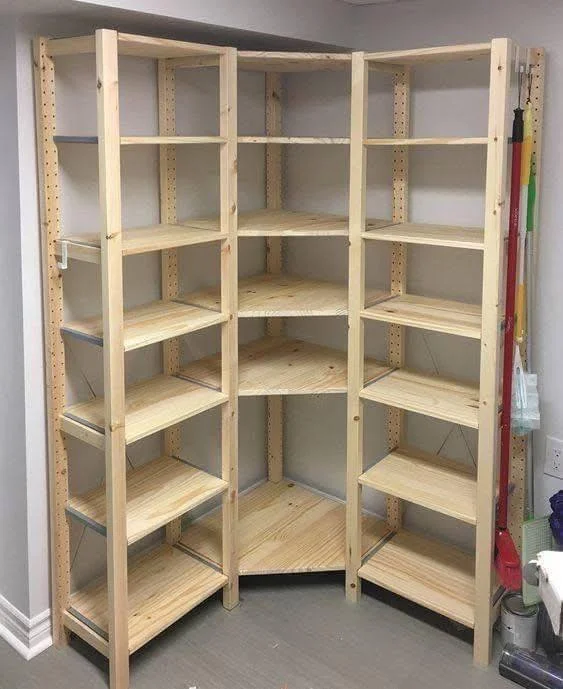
(508, 354)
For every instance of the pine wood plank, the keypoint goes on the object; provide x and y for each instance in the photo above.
(430, 141)
(283, 366)
(170, 140)
(151, 406)
(157, 492)
(302, 140)
(428, 480)
(284, 528)
(431, 235)
(440, 315)
(141, 240)
(433, 574)
(433, 396)
(292, 62)
(150, 323)
(280, 295)
(164, 584)
(438, 54)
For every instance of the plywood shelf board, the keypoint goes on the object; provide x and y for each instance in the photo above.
(438, 576)
(283, 528)
(434, 482)
(148, 324)
(292, 62)
(430, 235)
(300, 140)
(142, 140)
(141, 240)
(150, 406)
(157, 493)
(430, 141)
(164, 584)
(440, 315)
(272, 295)
(283, 366)
(438, 54)
(430, 395)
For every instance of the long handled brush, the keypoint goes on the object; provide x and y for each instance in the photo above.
(507, 560)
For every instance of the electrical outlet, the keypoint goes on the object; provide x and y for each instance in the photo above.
(553, 457)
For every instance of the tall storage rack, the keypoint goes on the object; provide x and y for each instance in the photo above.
(284, 527)
(145, 593)
(430, 572)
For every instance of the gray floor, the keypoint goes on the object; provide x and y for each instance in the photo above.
(296, 633)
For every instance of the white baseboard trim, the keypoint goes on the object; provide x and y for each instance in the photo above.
(28, 637)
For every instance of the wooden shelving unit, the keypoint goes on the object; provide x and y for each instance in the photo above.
(454, 583)
(140, 595)
(280, 526)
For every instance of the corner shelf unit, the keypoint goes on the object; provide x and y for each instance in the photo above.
(459, 585)
(279, 526)
(140, 595)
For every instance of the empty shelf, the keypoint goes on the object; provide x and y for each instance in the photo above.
(148, 324)
(292, 62)
(157, 493)
(428, 480)
(431, 235)
(293, 140)
(283, 223)
(143, 140)
(283, 528)
(430, 141)
(437, 576)
(433, 396)
(263, 296)
(439, 54)
(150, 406)
(283, 366)
(139, 240)
(440, 315)
(164, 584)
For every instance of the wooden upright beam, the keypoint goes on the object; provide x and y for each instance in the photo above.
(395, 416)
(169, 257)
(229, 332)
(54, 344)
(496, 207)
(114, 368)
(356, 302)
(274, 261)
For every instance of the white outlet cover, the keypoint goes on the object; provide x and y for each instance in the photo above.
(553, 457)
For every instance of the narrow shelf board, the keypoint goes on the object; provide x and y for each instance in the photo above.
(440, 315)
(284, 528)
(434, 482)
(157, 493)
(251, 60)
(438, 54)
(163, 584)
(430, 141)
(284, 223)
(139, 240)
(271, 296)
(283, 366)
(150, 406)
(438, 576)
(143, 140)
(430, 395)
(307, 140)
(145, 325)
(133, 45)
(430, 235)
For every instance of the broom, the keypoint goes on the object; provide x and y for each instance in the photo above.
(507, 559)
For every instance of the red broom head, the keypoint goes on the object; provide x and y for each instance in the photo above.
(507, 561)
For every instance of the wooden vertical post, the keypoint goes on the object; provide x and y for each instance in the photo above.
(356, 302)
(54, 345)
(274, 262)
(395, 416)
(496, 206)
(114, 368)
(229, 332)
(169, 257)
